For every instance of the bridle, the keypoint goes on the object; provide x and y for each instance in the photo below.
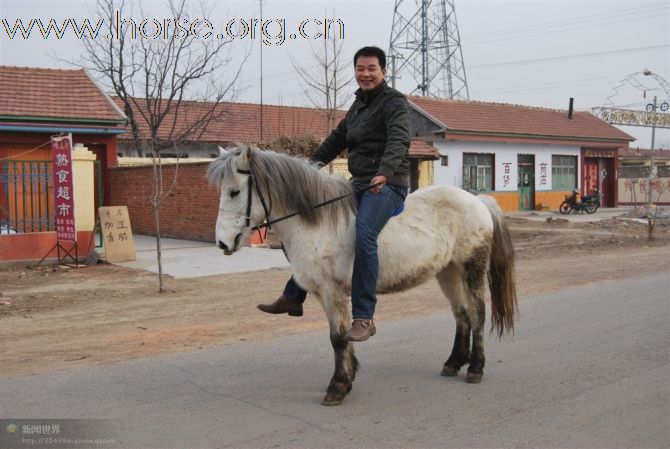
(250, 186)
(268, 223)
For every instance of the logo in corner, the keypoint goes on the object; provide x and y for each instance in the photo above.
(12, 428)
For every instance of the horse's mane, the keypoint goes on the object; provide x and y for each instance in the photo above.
(290, 184)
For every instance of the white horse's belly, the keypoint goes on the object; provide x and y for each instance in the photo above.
(438, 225)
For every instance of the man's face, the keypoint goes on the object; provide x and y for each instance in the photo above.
(368, 72)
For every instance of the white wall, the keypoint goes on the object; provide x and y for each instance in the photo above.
(504, 154)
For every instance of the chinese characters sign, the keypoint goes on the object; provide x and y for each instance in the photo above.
(61, 151)
(543, 173)
(117, 236)
(506, 174)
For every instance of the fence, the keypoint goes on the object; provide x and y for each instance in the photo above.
(26, 197)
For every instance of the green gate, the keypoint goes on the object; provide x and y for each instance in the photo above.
(526, 183)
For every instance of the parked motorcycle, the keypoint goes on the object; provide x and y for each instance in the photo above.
(588, 203)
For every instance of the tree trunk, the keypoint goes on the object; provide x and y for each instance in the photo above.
(158, 247)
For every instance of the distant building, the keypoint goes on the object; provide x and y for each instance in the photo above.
(526, 157)
(36, 104)
(240, 123)
(633, 183)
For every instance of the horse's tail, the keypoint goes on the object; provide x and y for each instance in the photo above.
(502, 281)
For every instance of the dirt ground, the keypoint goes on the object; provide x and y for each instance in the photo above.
(54, 318)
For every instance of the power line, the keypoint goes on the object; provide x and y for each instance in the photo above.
(572, 56)
(562, 30)
(563, 22)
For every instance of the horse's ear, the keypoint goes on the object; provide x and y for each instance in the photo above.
(222, 151)
(244, 159)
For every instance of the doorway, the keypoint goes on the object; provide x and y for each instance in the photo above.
(599, 176)
(526, 181)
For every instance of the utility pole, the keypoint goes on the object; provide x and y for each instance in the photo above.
(261, 43)
(651, 156)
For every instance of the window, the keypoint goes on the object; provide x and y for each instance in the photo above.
(477, 171)
(663, 171)
(633, 171)
(564, 172)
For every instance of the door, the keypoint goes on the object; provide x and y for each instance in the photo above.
(526, 181)
(599, 175)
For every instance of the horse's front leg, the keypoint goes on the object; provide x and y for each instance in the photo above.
(336, 305)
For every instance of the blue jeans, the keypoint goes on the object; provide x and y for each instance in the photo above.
(374, 211)
(294, 292)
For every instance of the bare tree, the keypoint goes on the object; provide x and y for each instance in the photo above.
(328, 85)
(171, 84)
(651, 209)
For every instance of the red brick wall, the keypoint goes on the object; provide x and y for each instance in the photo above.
(189, 212)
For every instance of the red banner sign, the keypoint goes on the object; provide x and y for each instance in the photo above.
(61, 150)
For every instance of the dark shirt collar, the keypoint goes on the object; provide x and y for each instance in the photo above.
(367, 95)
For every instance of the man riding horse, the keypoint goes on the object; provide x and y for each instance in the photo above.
(376, 132)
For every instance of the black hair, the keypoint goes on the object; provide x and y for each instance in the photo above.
(372, 51)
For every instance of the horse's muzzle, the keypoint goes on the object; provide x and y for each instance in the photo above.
(229, 251)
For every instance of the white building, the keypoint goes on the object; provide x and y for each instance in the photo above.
(526, 157)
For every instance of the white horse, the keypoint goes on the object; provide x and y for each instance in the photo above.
(444, 232)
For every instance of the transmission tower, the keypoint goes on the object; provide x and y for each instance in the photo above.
(425, 48)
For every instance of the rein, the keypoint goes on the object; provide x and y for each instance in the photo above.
(268, 223)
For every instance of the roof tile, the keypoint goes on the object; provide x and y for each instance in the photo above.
(240, 122)
(53, 93)
(500, 118)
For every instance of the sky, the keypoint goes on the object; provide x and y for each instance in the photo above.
(537, 53)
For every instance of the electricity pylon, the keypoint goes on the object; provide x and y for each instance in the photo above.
(425, 48)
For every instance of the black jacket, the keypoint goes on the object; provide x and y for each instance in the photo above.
(376, 132)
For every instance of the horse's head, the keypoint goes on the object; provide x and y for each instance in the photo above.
(239, 205)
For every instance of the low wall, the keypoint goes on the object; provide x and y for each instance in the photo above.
(188, 212)
(33, 246)
(633, 191)
(509, 201)
(550, 200)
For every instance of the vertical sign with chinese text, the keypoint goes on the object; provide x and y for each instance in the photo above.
(117, 236)
(61, 152)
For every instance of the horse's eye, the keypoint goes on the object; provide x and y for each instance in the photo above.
(234, 193)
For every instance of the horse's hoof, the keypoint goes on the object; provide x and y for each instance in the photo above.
(449, 371)
(331, 401)
(474, 378)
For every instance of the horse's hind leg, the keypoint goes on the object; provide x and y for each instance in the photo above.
(346, 364)
(452, 282)
(475, 275)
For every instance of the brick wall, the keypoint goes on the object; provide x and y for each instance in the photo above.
(188, 213)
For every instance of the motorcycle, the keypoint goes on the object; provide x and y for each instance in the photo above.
(588, 203)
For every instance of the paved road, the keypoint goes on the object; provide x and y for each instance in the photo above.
(588, 367)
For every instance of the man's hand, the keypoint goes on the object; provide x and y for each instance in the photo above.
(379, 181)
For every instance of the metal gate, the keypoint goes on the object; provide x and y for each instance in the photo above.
(26, 197)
